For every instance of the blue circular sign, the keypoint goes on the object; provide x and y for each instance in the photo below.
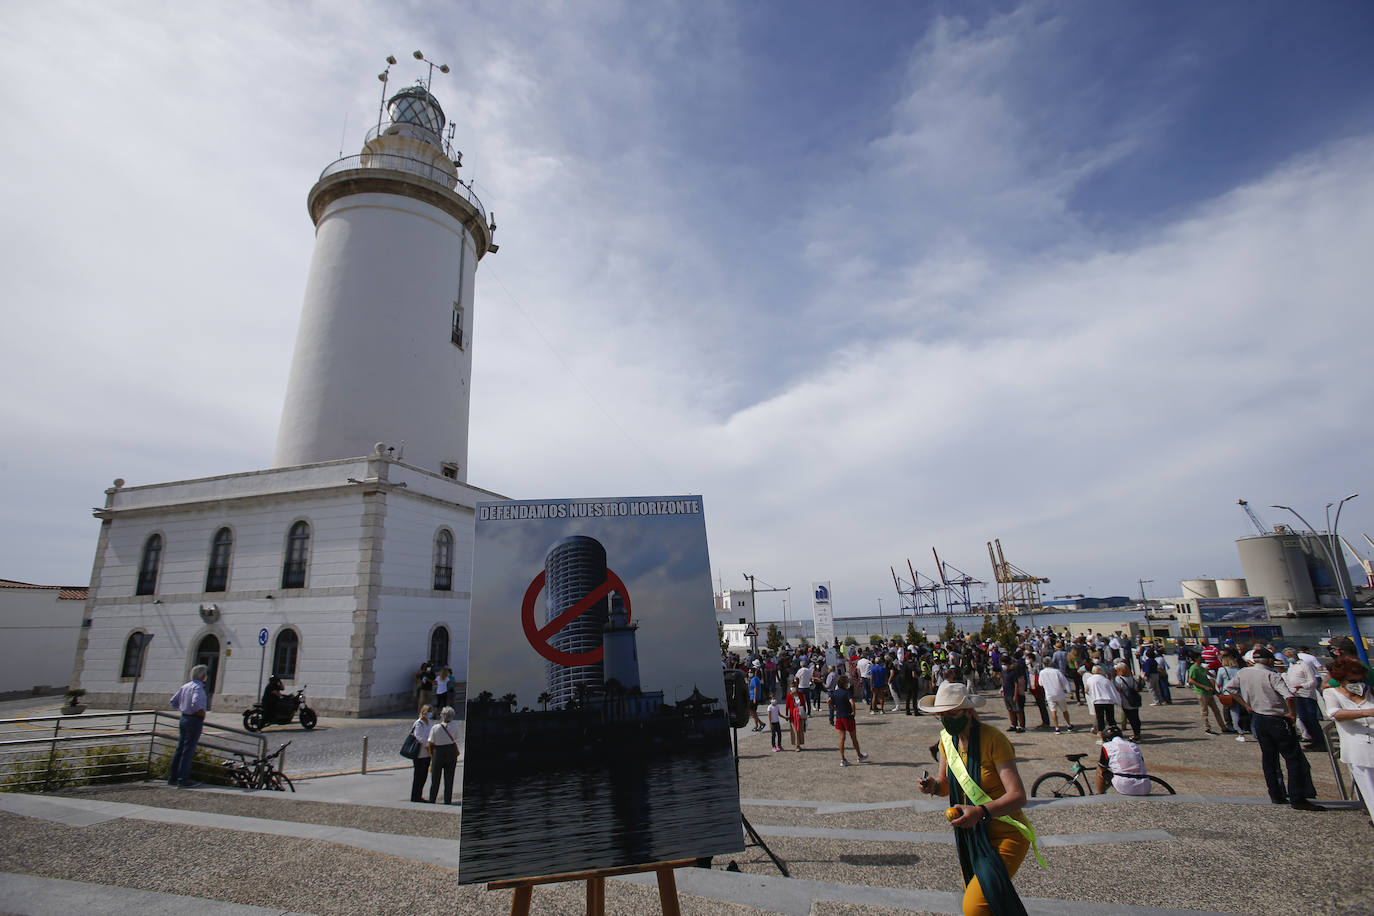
(262, 636)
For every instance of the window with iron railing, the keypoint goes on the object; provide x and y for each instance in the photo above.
(443, 561)
(148, 566)
(297, 555)
(217, 574)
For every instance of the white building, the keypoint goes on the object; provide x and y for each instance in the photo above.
(39, 625)
(734, 606)
(352, 556)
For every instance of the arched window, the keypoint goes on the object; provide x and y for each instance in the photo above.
(438, 647)
(217, 574)
(443, 560)
(284, 654)
(297, 555)
(147, 567)
(133, 654)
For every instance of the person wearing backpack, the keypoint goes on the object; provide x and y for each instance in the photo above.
(1125, 684)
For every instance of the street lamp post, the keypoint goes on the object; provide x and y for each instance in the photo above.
(1331, 547)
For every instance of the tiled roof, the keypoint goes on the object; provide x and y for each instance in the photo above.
(64, 592)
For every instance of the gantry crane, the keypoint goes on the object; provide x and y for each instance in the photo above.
(1366, 565)
(1017, 590)
(956, 587)
(918, 598)
(1254, 519)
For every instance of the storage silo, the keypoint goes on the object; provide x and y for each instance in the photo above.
(1276, 568)
(1199, 588)
(1232, 588)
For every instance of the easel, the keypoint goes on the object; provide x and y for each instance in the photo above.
(596, 886)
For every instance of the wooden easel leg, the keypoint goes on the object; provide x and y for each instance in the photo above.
(520, 903)
(667, 892)
(596, 897)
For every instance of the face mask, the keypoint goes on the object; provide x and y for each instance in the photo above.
(954, 724)
(1356, 688)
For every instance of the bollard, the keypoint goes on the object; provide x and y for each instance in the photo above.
(364, 755)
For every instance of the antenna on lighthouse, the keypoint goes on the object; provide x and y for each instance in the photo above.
(443, 68)
(384, 76)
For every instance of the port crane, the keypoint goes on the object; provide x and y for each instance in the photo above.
(957, 587)
(1254, 519)
(1366, 565)
(1016, 588)
(918, 597)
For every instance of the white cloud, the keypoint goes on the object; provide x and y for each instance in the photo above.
(928, 349)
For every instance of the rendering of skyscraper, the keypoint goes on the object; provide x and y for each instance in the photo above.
(573, 568)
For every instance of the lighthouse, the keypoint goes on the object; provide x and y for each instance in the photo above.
(384, 347)
(349, 562)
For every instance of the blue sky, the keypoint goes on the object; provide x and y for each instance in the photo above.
(868, 277)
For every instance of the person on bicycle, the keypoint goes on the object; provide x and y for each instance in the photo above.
(1122, 761)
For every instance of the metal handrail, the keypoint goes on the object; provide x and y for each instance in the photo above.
(90, 730)
(407, 165)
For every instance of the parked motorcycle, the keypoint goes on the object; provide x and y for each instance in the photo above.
(256, 717)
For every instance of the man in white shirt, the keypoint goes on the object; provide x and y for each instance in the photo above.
(1056, 687)
(1304, 684)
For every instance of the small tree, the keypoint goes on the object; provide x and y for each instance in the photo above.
(989, 630)
(849, 641)
(914, 637)
(774, 638)
(802, 641)
(950, 632)
(874, 639)
(1005, 629)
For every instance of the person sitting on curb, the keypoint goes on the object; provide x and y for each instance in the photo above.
(1122, 760)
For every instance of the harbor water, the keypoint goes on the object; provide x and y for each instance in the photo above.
(626, 812)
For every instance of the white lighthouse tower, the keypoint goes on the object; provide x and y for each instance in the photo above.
(346, 564)
(384, 349)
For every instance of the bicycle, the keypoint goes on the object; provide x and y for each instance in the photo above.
(1076, 784)
(260, 773)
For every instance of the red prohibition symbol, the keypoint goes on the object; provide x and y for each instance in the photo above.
(539, 638)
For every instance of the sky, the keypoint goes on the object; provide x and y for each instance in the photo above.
(870, 278)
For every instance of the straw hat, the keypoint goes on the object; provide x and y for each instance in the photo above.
(952, 695)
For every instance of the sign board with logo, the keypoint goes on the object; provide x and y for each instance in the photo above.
(1230, 611)
(821, 613)
(594, 695)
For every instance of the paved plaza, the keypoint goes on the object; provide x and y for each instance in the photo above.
(856, 840)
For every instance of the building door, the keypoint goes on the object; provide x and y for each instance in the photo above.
(207, 654)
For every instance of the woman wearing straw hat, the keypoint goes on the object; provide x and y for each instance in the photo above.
(978, 771)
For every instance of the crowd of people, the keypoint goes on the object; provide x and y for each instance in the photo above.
(1275, 697)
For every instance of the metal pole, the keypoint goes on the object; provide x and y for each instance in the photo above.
(1340, 580)
(262, 661)
(364, 755)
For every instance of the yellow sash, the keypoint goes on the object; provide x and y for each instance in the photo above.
(975, 793)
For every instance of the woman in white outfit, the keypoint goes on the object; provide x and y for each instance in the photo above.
(443, 747)
(1351, 707)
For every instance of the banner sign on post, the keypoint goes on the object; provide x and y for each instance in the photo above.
(595, 702)
(820, 612)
